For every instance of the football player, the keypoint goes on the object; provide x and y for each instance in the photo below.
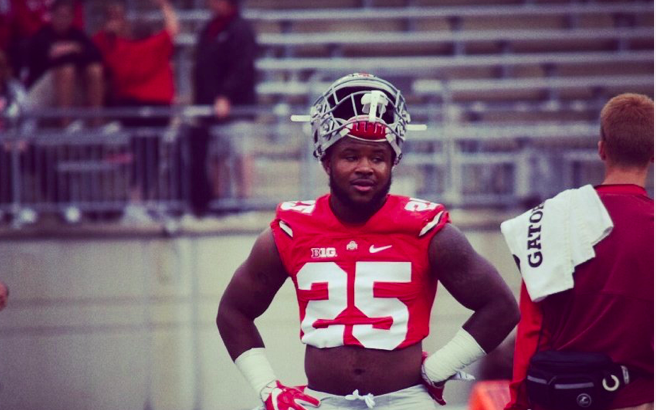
(365, 265)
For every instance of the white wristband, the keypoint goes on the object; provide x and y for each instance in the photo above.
(255, 367)
(460, 352)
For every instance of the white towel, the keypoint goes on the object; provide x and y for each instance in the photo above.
(552, 239)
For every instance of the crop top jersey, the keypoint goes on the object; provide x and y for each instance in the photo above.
(364, 285)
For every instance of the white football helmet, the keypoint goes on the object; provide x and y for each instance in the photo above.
(360, 106)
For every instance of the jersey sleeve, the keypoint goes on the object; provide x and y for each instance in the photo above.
(526, 344)
(289, 216)
(282, 236)
(429, 218)
(417, 217)
(435, 224)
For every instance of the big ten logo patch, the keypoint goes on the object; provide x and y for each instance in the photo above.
(324, 252)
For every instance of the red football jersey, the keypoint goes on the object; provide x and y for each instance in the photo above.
(366, 285)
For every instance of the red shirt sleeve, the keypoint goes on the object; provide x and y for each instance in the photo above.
(526, 344)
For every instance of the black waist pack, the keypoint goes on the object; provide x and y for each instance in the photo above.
(574, 380)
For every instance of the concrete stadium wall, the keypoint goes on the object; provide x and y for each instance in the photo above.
(127, 322)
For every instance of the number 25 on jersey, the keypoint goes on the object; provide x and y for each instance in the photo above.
(320, 327)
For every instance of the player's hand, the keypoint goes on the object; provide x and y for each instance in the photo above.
(62, 48)
(436, 391)
(436, 388)
(277, 396)
(222, 107)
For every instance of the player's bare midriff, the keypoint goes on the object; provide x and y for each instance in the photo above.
(341, 370)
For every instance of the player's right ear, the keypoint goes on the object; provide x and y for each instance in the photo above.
(325, 163)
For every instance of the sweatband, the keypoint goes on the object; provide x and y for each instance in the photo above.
(255, 367)
(460, 352)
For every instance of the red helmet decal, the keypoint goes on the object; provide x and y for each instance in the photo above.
(367, 130)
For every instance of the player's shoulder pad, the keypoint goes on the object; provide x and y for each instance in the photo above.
(289, 212)
(424, 217)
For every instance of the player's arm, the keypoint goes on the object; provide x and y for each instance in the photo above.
(248, 296)
(171, 23)
(477, 285)
(526, 344)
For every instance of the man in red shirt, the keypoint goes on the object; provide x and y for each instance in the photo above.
(140, 74)
(139, 69)
(366, 266)
(610, 309)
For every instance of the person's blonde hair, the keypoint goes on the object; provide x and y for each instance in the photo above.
(627, 129)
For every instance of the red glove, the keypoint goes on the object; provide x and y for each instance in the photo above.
(436, 390)
(277, 396)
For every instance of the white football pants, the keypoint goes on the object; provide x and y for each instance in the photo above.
(411, 398)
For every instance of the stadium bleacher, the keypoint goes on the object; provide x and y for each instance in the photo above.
(468, 40)
(510, 90)
(494, 81)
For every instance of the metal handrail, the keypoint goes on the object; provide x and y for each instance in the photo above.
(390, 13)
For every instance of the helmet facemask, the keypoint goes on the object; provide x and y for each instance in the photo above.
(363, 107)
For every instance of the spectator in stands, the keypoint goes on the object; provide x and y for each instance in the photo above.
(59, 56)
(138, 64)
(12, 105)
(223, 77)
(4, 295)
(13, 97)
(32, 15)
(20, 20)
(139, 71)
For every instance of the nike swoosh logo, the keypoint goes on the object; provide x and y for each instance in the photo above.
(373, 249)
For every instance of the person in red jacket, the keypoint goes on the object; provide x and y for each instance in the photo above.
(140, 74)
(139, 67)
(610, 309)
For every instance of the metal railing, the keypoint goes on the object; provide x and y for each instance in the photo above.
(100, 172)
